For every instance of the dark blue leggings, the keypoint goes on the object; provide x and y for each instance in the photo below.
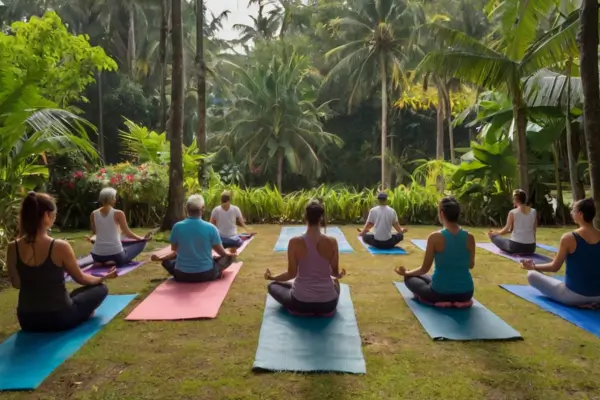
(130, 251)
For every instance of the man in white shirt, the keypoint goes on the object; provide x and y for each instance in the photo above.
(382, 218)
(225, 217)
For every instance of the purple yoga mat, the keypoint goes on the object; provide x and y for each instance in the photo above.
(491, 247)
(101, 271)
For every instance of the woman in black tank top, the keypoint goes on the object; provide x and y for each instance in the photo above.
(36, 266)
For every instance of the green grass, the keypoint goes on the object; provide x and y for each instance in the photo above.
(212, 359)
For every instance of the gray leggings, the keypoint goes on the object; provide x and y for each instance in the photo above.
(508, 246)
(421, 287)
(558, 291)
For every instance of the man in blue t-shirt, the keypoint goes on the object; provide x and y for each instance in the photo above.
(192, 242)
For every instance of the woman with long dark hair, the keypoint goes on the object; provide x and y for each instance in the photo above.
(313, 264)
(521, 224)
(36, 267)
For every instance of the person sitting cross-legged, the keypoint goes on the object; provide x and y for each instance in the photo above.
(522, 224)
(382, 218)
(225, 217)
(581, 251)
(313, 265)
(192, 243)
(453, 251)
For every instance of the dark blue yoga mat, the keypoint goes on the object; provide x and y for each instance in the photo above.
(26, 359)
(583, 318)
(310, 344)
(474, 323)
(398, 251)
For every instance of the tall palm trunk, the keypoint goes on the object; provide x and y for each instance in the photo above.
(588, 56)
(176, 195)
(571, 156)
(201, 70)
(448, 114)
(280, 169)
(560, 201)
(384, 112)
(164, 35)
(131, 50)
(520, 140)
(439, 143)
(101, 148)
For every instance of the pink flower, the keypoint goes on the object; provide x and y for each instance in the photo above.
(78, 175)
(102, 171)
(113, 180)
(70, 185)
(130, 178)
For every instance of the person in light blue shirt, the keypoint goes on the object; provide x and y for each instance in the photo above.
(192, 242)
(453, 251)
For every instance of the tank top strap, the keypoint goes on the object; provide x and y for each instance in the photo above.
(17, 251)
(49, 258)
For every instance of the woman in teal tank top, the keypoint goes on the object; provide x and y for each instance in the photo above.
(453, 251)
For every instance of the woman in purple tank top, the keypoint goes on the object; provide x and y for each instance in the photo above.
(313, 265)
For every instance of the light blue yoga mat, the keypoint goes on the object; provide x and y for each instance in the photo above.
(551, 249)
(288, 232)
(588, 320)
(399, 251)
(420, 243)
(26, 359)
(310, 344)
(474, 323)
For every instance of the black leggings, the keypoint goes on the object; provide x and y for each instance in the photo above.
(219, 264)
(421, 287)
(396, 238)
(85, 299)
(282, 292)
(508, 246)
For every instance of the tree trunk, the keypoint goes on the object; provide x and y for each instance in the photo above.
(164, 35)
(588, 56)
(571, 155)
(448, 112)
(384, 112)
(131, 51)
(520, 140)
(201, 70)
(280, 170)
(439, 143)
(101, 148)
(560, 201)
(576, 140)
(174, 211)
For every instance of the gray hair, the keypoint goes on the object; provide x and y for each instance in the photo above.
(107, 195)
(195, 203)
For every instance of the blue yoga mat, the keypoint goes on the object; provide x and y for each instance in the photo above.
(585, 319)
(420, 243)
(474, 323)
(551, 249)
(288, 232)
(310, 344)
(399, 251)
(26, 359)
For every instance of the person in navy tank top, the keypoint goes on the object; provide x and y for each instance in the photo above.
(313, 265)
(453, 251)
(581, 251)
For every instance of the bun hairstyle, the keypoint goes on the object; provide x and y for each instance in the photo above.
(315, 212)
(33, 209)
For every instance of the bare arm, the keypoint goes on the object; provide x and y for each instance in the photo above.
(471, 247)
(428, 259)
(292, 264)
(11, 263)
(398, 227)
(69, 262)
(335, 259)
(220, 250)
(92, 224)
(509, 225)
(242, 223)
(566, 247)
(122, 221)
(213, 220)
(366, 229)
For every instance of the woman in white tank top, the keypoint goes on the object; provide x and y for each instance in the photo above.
(522, 224)
(107, 223)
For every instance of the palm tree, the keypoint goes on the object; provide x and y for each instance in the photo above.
(378, 34)
(176, 195)
(165, 14)
(264, 26)
(273, 117)
(519, 56)
(588, 55)
(201, 82)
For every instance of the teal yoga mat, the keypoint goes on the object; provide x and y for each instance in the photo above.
(310, 344)
(288, 232)
(474, 323)
(26, 359)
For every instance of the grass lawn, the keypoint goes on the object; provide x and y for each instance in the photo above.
(212, 359)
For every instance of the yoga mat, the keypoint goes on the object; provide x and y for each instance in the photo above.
(166, 250)
(85, 261)
(26, 359)
(588, 320)
(310, 344)
(288, 232)
(551, 249)
(399, 251)
(491, 247)
(420, 243)
(175, 301)
(101, 271)
(474, 323)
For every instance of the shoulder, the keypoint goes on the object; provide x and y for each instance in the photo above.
(216, 209)
(568, 238)
(437, 235)
(61, 245)
(470, 237)
(236, 209)
(118, 213)
(330, 240)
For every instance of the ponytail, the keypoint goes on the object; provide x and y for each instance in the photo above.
(33, 209)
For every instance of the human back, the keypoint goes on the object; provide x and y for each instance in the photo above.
(194, 239)
(107, 232)
(226, 217)
(314, 254)
(452, 263)
(382, 217)
(524, 225)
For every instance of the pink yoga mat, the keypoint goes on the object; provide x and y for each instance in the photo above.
(166, 250)
(175, 301)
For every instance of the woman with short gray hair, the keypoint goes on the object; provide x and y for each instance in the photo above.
(107, 224)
